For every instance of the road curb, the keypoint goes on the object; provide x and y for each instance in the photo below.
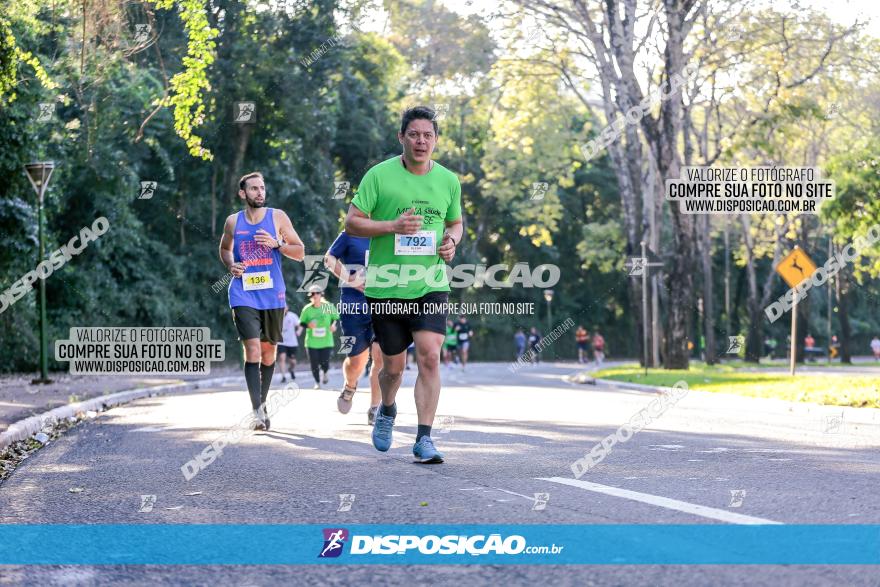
(33, 424)
(851, 414)
(631, 386)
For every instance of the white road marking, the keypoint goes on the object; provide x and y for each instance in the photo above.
(515, 493)
(665, 502)
(670, 447)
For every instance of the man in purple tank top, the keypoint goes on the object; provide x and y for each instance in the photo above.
(251, 248)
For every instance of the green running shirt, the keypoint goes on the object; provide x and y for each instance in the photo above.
(387, 191)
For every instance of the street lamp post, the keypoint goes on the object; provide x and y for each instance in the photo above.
(548, 295)
(39, 174)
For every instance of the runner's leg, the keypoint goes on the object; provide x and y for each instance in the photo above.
(282, 358)
(324, 359)
(352, 368)
(267, 369)
(427, 388)
(390, 376)
(375, 391)
(252, 370)
(313, 363)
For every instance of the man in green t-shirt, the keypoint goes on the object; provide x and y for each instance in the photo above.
(319, 318)
(450, 345)
(410, 207)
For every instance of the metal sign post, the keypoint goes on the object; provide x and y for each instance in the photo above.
(39, 174)
(795, 268)
(639, 267)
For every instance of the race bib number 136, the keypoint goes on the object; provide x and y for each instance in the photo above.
(256, 280)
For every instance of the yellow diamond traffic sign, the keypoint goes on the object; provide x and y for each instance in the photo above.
(796, 267)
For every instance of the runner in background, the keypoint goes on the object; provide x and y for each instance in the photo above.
(319, 318)
(582, 337)
(534, 339)
(519, 339)
(410, 355)
(465, 333)
(450, 344)
(254, 241)
(288, 349)
(598, 347)
(344, 259)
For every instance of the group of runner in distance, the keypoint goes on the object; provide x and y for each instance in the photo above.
(407, 210)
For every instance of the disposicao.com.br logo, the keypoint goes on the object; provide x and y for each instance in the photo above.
(430, 544)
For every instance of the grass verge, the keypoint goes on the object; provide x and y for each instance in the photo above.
(830, 389)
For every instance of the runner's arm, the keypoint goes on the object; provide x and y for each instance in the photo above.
(451, 239)
(455, 229)
(338, 268)
(227, 242)
(359, 224)
(293, 247)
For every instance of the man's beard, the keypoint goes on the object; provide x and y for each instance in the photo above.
(253, 202)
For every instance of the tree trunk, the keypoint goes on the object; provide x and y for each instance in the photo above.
(214, 201)
(242, 138)
(708, 292)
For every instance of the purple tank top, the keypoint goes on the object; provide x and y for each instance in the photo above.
(261, 286)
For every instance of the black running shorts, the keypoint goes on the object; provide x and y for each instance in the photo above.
(262, 324)
(394, 319)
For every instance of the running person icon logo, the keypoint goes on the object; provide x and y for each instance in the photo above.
(334, 540)
(47, 111)
(346, 343)
(142, 32)
(735, 343)
(148, 188)
(539, 189)
(340, 189)
(316, 275)
(245, 112)
(637, 266)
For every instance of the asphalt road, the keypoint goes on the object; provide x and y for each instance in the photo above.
(709, 459)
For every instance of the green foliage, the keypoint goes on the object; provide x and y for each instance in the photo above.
(190, 85)
(856, 208)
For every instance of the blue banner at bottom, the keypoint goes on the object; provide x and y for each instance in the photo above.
(439, 544)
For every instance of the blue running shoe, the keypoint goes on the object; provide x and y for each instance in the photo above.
(425, 451)
(382, 431)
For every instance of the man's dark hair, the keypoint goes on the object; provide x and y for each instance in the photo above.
(419, 112)
(243, 181)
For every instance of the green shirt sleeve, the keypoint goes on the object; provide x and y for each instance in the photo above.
(329, 309)
(454, 210)
(368, 193)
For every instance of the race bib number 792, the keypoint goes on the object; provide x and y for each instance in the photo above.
(423, 242)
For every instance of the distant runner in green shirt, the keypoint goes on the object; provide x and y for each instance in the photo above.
(319, 318)
(410, 207)
(450, 345)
